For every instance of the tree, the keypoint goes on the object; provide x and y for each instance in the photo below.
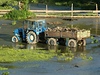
(34, 1)
(80, 3)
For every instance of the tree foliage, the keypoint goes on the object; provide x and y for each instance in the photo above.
(18, 14)
(84, 4)
(21, 13)
(90, 4)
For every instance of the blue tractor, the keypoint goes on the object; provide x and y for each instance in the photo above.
(32, 31)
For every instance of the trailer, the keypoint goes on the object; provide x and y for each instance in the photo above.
(71, 37)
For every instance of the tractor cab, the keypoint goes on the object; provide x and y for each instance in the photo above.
(30, 32)
(38, 26)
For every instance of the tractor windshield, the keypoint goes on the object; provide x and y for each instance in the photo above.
(31, 24)
(42, 23)
(35, 24)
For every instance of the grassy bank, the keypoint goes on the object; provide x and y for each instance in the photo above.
(11, 55)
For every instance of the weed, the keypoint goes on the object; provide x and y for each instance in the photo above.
(14, 22)
(3, 68)
(11, 55)
(5, 73)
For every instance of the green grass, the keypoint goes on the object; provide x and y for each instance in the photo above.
(6, 8)
(11, 55)
(21, 55)
(3, 68)
(14, 55)
(69, 14)
(5, 73)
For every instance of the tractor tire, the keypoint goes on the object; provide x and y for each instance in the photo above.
(79, 43)
(72, 43)
(14, 39)
(83, 42)
(31, 38)
(52, 41)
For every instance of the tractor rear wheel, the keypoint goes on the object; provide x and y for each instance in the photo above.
(31, 38)
(72, 43)
(52, 41)
(14, 39)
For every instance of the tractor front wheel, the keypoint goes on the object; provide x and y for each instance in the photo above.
(31, 38)
(14, 39)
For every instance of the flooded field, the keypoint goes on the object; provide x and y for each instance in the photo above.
(85, 62)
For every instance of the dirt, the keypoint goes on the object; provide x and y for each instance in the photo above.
(78, 66)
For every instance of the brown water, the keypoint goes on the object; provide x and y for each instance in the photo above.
(77, 66)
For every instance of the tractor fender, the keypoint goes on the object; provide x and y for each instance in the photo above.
(18, 36)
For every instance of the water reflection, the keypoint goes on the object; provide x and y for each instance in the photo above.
(96, 29)
(41, 46)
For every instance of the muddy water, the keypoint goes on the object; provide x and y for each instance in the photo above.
(77, 66)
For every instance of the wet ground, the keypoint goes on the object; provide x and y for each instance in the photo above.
(77, 66)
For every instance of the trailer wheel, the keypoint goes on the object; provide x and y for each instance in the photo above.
(14, 39)
(31, 37)
(83, 42)
(72, 43)
(52, 41)
(79, 43)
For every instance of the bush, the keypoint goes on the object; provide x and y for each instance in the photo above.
(6, 7)
(18, 14)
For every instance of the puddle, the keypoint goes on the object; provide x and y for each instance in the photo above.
(78, 66)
